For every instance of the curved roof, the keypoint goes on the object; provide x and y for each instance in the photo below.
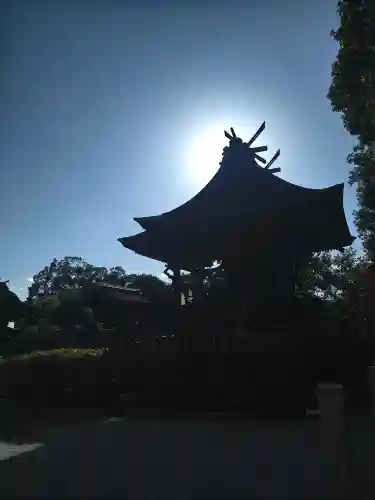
(234, 189)
(318, 223)
(119, 294)
(169, 249)
(243, 202)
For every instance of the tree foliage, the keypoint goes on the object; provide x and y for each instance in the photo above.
(352, 93)
(57, 288)
(71, 273)
(338, 278)
(362, 175)
(332, 275)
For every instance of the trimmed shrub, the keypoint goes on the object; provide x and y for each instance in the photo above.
(59, 377)
(32, 338)
(275, 379)
(46, 337)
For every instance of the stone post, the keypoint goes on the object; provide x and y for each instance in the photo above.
(369, 296)
(371, 384)
(333, 442)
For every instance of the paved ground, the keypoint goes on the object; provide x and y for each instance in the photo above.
(169, 459)
(140, 458)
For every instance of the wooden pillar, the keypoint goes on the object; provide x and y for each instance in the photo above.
(333, 443)
(174, 274)
(198, 290)
(177, 282)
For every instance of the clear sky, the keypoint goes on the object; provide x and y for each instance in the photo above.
(116, 109)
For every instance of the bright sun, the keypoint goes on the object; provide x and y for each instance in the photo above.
(204, 153)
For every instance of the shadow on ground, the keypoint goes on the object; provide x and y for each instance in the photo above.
(138, 458)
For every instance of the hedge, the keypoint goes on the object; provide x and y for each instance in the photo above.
(45, 337)
(93, 377)
(58, 377)
(272, 381)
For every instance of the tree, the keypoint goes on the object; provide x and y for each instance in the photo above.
(71, 273)
(363, 175)
(45, 305)
(338, 279)
(331, 275)
(352, 93)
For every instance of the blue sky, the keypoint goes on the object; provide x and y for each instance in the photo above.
(111, 110)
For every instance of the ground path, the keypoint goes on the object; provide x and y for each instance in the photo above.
(140, 458)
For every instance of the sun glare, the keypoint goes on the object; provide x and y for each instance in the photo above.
(204, 153)
(205, 150)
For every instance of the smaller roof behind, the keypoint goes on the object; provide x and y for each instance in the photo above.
(118, 293)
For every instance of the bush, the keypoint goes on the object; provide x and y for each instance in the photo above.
(59, 377)
(32, 338)
(274, 379)
(46, 337)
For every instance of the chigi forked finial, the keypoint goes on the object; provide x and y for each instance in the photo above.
(233, 138)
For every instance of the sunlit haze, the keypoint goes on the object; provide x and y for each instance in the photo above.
(204, 154)
(204, 151)
(114, 110)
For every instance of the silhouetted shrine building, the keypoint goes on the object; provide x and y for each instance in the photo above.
(255, 224)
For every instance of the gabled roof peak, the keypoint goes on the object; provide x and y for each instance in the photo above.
(241, 152)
